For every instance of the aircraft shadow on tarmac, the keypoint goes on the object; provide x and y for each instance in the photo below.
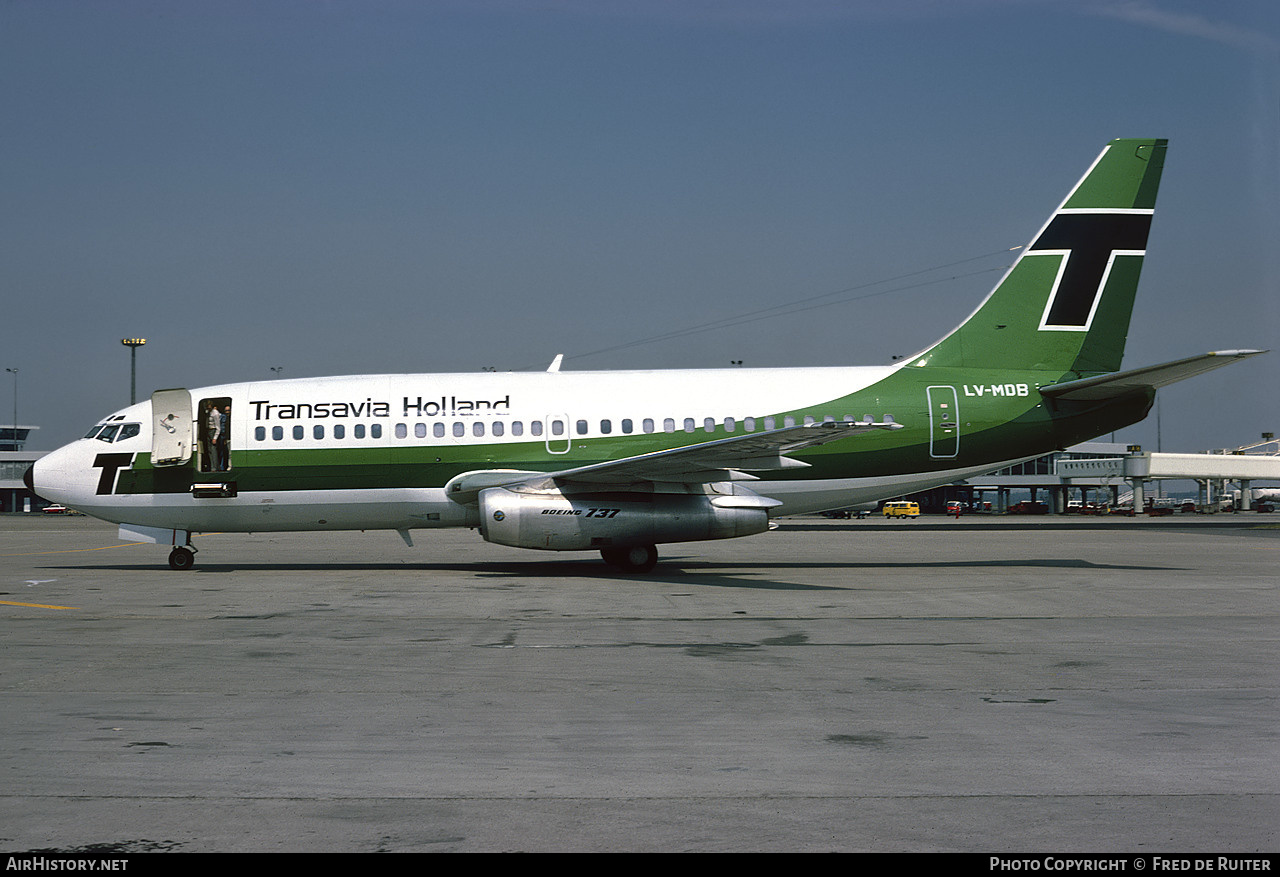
(685, 571)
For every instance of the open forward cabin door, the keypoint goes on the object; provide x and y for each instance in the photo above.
(172, 429)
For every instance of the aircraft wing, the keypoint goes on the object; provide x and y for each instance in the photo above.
(1149, 378)
(718, 460)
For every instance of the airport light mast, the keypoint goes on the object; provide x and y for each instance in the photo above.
(133, 344)
(14, 372)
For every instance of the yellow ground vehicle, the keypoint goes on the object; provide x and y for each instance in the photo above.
(901, 509)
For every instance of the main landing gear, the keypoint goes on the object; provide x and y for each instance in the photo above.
(182, 558)
(636, 558)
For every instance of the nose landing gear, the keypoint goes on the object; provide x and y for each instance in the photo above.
(183, 555)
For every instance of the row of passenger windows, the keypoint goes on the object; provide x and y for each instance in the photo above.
(554, 427)
(299, 432)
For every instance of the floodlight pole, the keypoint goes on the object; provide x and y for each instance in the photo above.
(14, 372)
(133, 344)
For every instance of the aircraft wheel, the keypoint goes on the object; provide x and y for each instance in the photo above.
(181, 559)
(637, 558)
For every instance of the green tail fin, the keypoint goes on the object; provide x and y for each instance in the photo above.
(1066, 302)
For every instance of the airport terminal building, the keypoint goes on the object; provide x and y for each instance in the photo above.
(1110, 474)
(14, 461)
(1038, 480)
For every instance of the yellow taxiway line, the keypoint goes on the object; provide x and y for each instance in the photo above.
(33, 605)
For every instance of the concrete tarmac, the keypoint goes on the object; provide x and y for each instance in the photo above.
(994, 685)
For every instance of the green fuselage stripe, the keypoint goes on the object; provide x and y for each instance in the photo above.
(1001, 416)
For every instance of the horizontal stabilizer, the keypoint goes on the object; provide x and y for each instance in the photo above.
(1149, 378)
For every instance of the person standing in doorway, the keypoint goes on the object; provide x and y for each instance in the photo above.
(224, 439)
(213, 439)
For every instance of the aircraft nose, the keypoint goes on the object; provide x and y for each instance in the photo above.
(57, 476)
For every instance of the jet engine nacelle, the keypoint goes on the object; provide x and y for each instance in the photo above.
(558, 521)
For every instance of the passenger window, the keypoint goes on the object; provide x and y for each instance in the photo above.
(277, 433)
(317, 431)
(648, 424)
(298, 432)
(260, 434)
(375, 431)
(437, 429)
(606, 427)
(769, 423)
(498, 427)
(626, 427)
(709, 424)
(808, 421)
(359, 430)
(689, 425)
(339, 431)
(402, 431)
(459, 429)
(730, 424)
(582, 427)
(668, 425)
(420, 430)
(788, 421)
(477, 429)
(749, 424)
(557, 427)
(535, 428)
(517, 428)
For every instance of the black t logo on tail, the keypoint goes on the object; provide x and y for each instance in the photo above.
(1090, 239)
(110, 465)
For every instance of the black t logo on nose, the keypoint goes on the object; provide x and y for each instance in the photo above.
(110, 465)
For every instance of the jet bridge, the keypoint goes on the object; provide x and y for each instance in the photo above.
(1138, 468)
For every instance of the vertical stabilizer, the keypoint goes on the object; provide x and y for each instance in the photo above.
(1066, 302)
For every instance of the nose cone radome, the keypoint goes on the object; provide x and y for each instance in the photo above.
(56, 473)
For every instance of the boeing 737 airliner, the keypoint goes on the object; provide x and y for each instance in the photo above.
(620, 462)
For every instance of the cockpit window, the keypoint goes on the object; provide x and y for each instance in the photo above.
(114, 432)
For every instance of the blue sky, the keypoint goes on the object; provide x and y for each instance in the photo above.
(338, 188)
